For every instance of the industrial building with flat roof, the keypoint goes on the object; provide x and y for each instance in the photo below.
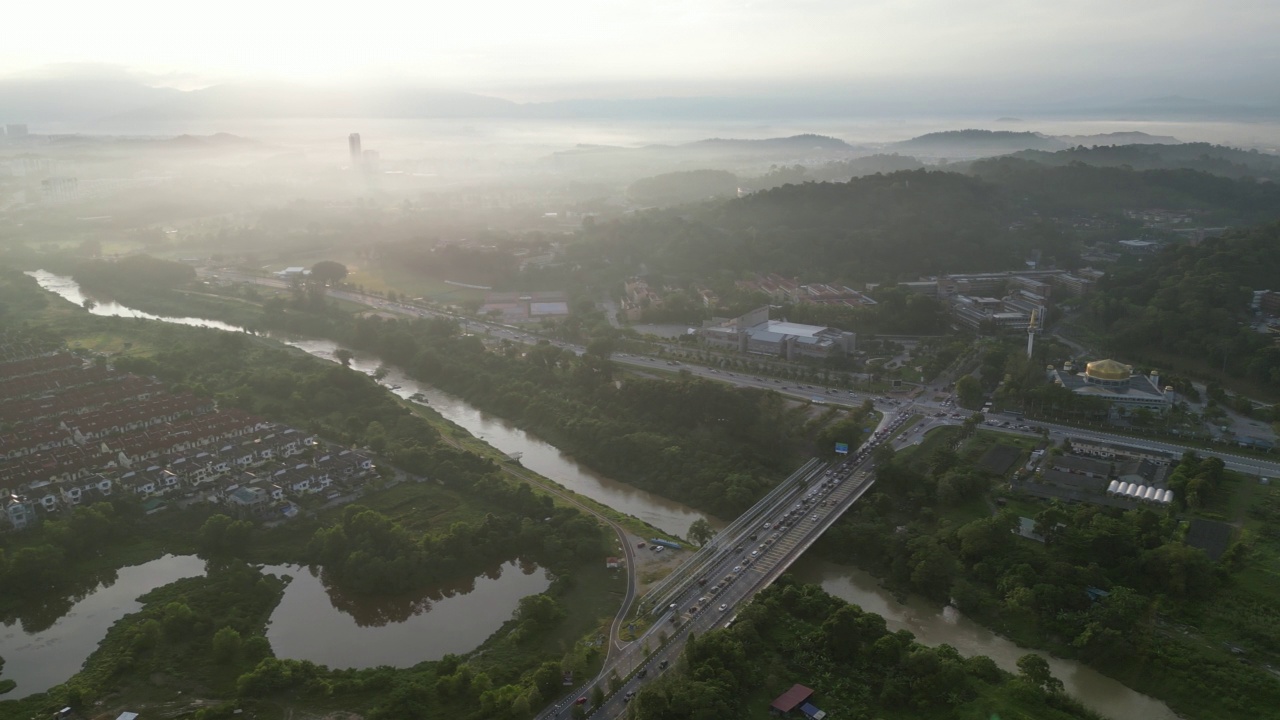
(517, 307)
(1010, 313)
(756, 333)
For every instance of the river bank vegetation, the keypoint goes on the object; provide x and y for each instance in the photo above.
(1117, 589)
(856, 667)
(205, 637)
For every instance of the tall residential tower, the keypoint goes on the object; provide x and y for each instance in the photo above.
(353, 143)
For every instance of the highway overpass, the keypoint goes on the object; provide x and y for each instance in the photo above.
(743, 559)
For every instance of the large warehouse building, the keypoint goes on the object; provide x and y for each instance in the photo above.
(756, 333)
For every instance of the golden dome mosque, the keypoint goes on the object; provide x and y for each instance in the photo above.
(1115, 383)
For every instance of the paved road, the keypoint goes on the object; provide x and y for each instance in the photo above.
(615, 641)
(747, 561)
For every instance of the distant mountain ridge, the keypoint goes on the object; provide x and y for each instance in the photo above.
(733, 154)
(75, 99)
(1119, 138)
(807, 141)
(976, 143)
(102, 95)
(973, 143)
(1204, 157)
(286, 101)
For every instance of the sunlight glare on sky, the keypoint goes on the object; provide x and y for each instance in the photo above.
(505, 42)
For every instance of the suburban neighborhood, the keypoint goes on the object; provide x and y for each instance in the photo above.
(76, 430)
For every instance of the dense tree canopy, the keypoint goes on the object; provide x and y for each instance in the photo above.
(909, 223)
(706, 443)
(328, 271)
(855, 665)
(131, 273)
(1204, 157)
(1101, 585)
(682, 187)
(1193, 302)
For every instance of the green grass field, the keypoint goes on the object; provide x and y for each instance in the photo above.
(419, 507)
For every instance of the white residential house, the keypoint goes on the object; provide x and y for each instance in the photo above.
(100, 484)
(138, 483)
(248, 500)
(169, 480)
(19, 512)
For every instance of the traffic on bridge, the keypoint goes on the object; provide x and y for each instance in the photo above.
(743, 559)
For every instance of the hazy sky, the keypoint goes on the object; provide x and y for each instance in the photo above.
(555, 47)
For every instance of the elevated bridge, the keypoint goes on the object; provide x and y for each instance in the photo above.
(740, 561)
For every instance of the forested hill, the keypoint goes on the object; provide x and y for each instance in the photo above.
(1191, 302)
(807, 141)
(871, 227)
(1213, 159)
(969, 143)
(679, 187)
(912, 223)
(1077, 187)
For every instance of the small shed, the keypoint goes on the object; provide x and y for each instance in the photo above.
(791, 699)
(1027, 529)
(128, 716)
(810, 711)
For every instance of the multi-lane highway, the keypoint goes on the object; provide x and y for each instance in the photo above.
(739, 562)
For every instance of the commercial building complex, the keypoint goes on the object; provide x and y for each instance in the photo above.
(1103, 473)
(519, 307)
(756, 333)
(1008, 300)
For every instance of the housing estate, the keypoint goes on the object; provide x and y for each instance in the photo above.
(77, 432)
